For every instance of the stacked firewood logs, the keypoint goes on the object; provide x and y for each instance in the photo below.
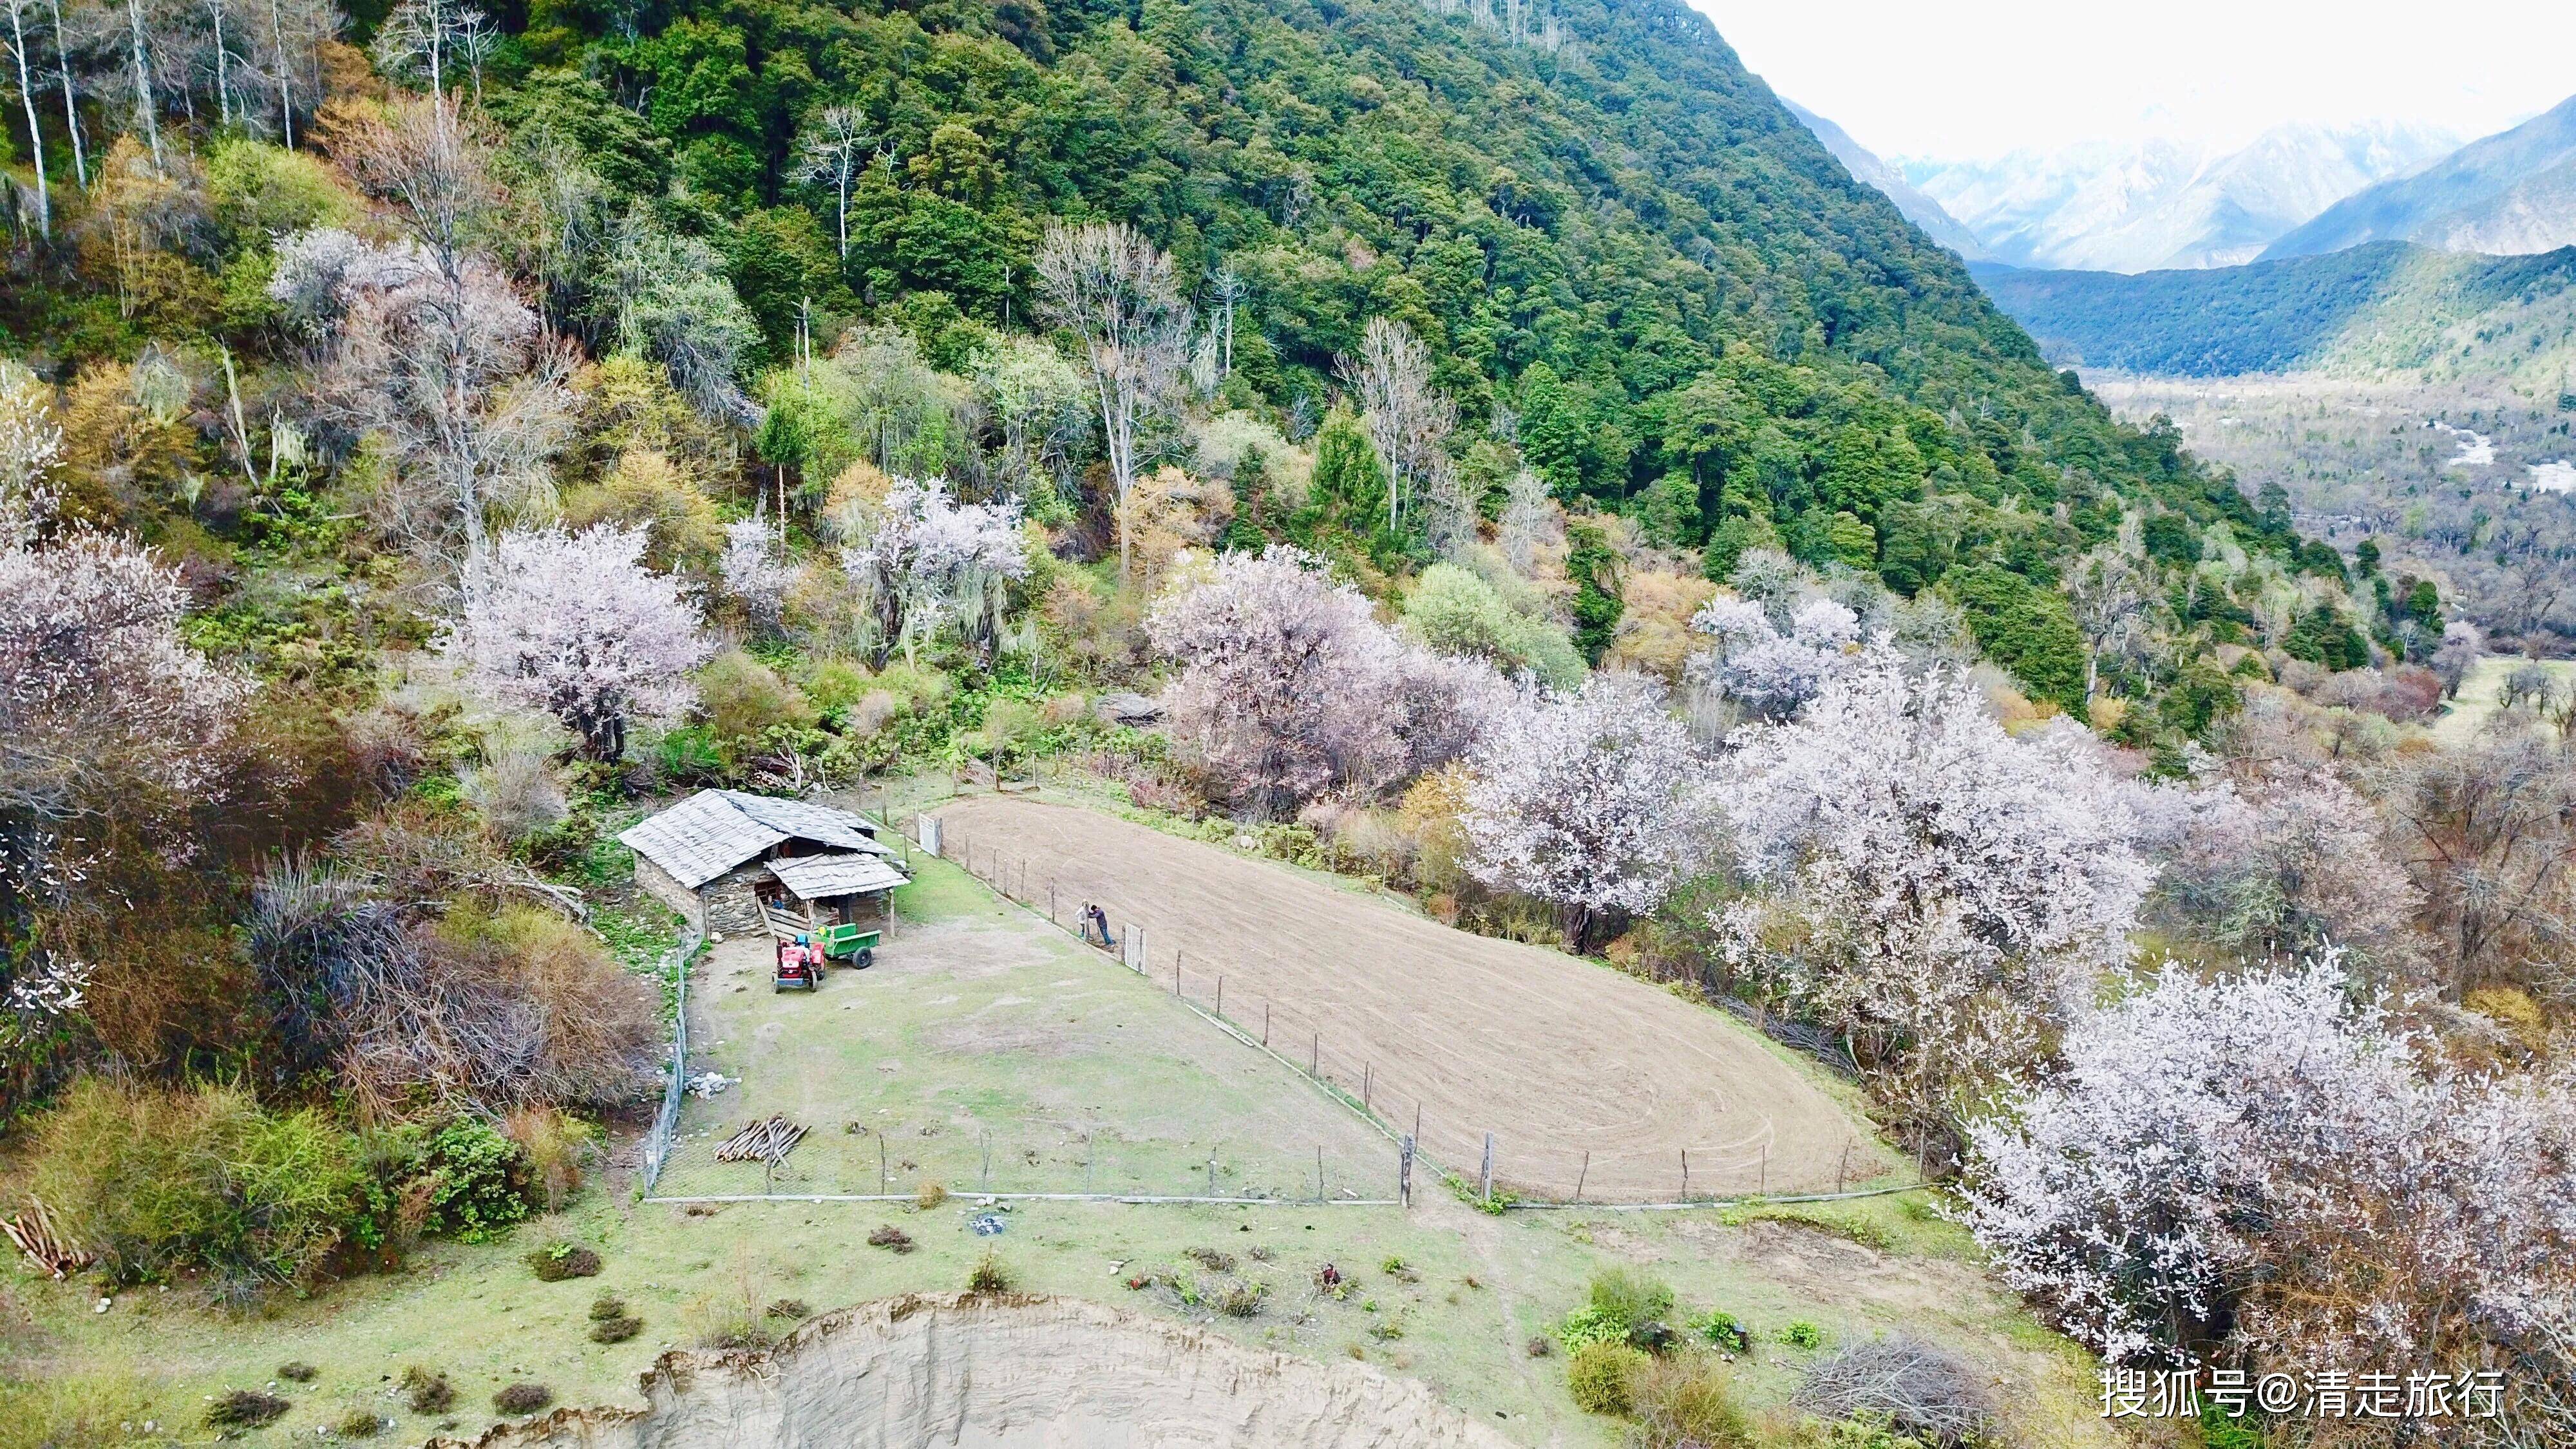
(46, 1245)
(767, 1140)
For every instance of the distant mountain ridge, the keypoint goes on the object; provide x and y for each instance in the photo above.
(2382, 310)
(1865, 167)
(2162, 204)
(2510, 193)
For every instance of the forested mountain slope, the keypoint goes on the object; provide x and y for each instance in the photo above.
(1583, 222)
(2387, 309)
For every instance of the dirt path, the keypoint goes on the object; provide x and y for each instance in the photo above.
(1554, 1056)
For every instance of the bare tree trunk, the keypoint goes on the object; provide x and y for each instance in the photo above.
(285, 75)
(35, 132)
(71, 110)
(144, 103)
(223, 69)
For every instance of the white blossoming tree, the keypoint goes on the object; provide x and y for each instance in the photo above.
(31, 443)
(922, 561)
(1934, 888)
(1584, 800)
(105, 712)
(99, 692)
(1289, 686)
(754, 570)
(1767, 671)
(2290, 861)
(2264, 1164)
(573, 624)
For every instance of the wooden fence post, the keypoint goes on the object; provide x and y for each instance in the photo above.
(1581, 1177)
(1686, 1174)
(1404, 1172)
(1265, 1023)
(1367, 1070)
(1220, 1005)
(1315, 1057)
(881, 1165)
(1485, 1187)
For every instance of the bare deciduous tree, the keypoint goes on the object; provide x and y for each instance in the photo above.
(1111, 286)
(431, 347)
(1406, 415)
(19, 57)
(831, 153)
(1229, 289)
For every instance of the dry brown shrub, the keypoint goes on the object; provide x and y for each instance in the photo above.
(601, 1026)
(683, 529)
(1100, 639)
(557, 1146)
(1654, 629)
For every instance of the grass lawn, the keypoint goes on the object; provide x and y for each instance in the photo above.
(988, 1051)
(2477, 702)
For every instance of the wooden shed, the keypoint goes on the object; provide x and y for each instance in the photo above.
(734, 862)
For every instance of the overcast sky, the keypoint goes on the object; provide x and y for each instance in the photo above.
(1960, 79)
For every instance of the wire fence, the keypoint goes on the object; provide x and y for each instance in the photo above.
(666, 1122)
(1486, 1161)
(936, 1158)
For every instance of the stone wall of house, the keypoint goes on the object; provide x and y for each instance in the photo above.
(660, 884)
(731, 908)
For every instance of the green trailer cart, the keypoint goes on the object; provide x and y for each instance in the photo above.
(845, 941)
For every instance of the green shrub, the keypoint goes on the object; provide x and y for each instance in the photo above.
(157, 1181)
(1802, 1334)
(564, 1260)
(358, 1424)
(740, 700)
(426, 1390)
(1687, 1400)
(688, 755)
(2217, 1431)
(989, 1275)
(1636, 1304)
(1723, 1330)
(478, 1181)
(1588, 1325)
(1600, 1375)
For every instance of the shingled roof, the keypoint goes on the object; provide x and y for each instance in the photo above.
(713, 831)
(823, 877)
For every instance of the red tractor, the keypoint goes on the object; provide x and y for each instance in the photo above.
(800, 965)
